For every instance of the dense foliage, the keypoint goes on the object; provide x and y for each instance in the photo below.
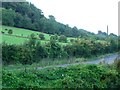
(33, 51)
(26, 15)
(90, 76)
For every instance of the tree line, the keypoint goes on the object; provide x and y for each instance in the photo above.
(26, 15)
(33, 51)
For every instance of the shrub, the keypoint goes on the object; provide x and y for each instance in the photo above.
(41, 52)
(41, 36)
(6, 29)
(72, 40)
(2, 32)
(117, 64)
(54, 37)
(9, 79)
(54, 49)
(10, 31)
(9, 54)
(32, 36)
(77, 76)
(63, 38)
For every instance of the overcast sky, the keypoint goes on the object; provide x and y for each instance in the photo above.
(91, 15)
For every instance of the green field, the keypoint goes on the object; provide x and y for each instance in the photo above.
(22, 33)
(17, 40)
(12, 39)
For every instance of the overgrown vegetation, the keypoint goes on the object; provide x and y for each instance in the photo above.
(80, 76)
(117, 64)
(33, 51)
(78, 43)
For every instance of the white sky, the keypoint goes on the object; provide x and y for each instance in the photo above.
(91, 15)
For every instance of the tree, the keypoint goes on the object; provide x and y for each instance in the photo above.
(10, 31)
(54, 37)
(32, 36)
(32, 42)
(72, 40)
(112, 35)
(41, 52)
(99, 32)
(18, 20)
(54, 49)
(51, 17)
(2, 32)
(26, 15)
(8, 16)
(75, 31)
(26, 22)
(63, 38)
(9, 54)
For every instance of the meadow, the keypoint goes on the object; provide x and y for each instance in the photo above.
(19, 36)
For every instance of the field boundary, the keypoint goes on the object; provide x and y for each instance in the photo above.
(23, 37)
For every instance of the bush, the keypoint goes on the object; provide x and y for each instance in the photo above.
(9, 79)
(41, 52)
(54, 49)
(25, 55)
(32, 36)
(72, 40)
(54, 37)
(2, 32)
(6, 29)
(30, 52)
(85, 76)
(117, 64)
(63, 38)
(9, 54)
(10, 31)
(41, 36)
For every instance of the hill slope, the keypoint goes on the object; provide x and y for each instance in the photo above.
(19, 35)
(26, 15)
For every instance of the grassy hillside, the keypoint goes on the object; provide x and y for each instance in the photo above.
(23, 32)
(19, 35)
(17, 40)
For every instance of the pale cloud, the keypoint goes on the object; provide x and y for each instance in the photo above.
(91, 15)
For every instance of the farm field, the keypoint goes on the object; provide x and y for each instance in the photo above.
(19, 35)
(17, 40)
(22, 32)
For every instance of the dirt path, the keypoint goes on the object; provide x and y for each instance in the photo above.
(107, 60)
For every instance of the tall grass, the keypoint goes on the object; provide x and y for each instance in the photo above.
(117, 64)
